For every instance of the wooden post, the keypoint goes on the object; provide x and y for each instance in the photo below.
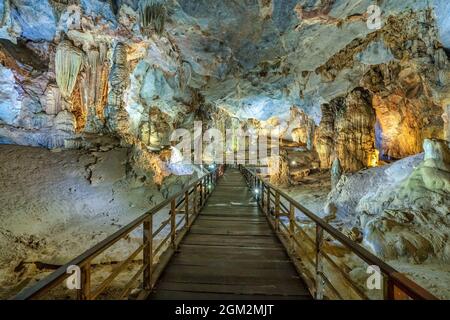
(261, 200)
(205, 193)
(148, 253)
(173, 222)
(277, 211)
(292, 226)
(201, 193)
(319, 263)
(195, 200)
(84, 293)
(268, 201)
(186, 207)
(389, 289)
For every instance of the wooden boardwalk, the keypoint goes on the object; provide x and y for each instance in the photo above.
(231, 253)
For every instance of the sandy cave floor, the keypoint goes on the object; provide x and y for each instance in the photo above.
(56, 205)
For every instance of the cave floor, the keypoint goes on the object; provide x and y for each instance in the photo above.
(231, 253)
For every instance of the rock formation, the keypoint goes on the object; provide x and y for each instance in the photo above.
(402, 208)
(343, 96)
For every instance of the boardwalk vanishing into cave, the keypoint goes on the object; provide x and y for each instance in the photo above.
(231, 252)
(226, 244)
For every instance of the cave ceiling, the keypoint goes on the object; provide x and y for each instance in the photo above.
(252, 58)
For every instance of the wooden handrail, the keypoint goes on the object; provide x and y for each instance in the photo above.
(203, 185)
(395, 280)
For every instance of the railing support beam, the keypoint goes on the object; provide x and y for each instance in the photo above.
(173, 223)
(319, 263)
(148, 253)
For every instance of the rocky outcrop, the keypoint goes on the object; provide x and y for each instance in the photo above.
(347, 132)
(403, 208)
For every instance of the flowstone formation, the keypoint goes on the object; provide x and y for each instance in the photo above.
(402, 209)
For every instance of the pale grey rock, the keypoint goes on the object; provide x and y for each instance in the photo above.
(36, 19)
(375, 53)
(10, 104)
(441, 10)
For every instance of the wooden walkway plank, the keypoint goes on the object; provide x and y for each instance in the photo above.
(231, 253)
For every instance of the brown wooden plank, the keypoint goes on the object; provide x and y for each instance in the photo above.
(231, 253)
(233, 240)
(211, 218)
(228, 275)
(228, 252)
(275, 289)
(245, 264)
(182, 295)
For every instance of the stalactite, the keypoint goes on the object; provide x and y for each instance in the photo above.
(53, 103)
(93, 85)
(78, 109)
(4, 13)
(152, 15)
(68, 62)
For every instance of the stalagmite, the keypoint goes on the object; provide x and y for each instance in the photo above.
(336, 172)
(68, 62)
(152, 15)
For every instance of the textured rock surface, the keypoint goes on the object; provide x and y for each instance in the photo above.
(77, 197)
(74, 72)
(402, 208)
(256, 60)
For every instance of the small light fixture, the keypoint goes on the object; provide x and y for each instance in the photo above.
(294, 163)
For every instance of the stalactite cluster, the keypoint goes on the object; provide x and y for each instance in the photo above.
(94, 86)
(68, 61)
(152, 15)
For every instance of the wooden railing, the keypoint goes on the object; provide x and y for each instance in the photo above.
(325, 276)
(183, 209)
